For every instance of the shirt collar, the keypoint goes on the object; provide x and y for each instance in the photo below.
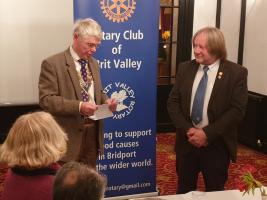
(74, 54)
(212, 66)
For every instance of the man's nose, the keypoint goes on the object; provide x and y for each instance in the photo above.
(93, 49)
(196, 50)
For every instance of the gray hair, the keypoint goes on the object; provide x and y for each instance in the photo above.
(87, 27)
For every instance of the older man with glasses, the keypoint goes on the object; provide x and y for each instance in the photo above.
(70, 89)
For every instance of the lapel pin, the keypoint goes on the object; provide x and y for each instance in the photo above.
(220, 75)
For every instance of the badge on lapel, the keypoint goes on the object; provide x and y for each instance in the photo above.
(220, 74)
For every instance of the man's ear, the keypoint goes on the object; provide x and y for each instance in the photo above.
(75, 36)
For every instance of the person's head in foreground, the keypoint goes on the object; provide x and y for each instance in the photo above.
(34, 141)
(76, 181)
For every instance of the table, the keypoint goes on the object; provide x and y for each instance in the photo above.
(219, 195)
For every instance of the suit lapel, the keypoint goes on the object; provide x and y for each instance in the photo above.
(190, 81)
(218, 82)
(73, 74)
(92, 67)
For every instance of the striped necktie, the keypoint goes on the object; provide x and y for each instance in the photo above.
(83, 64)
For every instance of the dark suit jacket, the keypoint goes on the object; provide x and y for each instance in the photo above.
(226, 106)
(60, 95)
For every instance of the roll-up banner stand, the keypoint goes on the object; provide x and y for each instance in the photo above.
(127, 58)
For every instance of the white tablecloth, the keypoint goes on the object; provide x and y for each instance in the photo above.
(220, 195)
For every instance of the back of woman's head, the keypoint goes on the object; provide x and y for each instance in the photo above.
(35, 140)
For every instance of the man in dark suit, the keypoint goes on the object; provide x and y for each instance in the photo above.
(70, 89)
(208, 142)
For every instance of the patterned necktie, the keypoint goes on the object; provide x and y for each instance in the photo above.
(197, 109)
(85, 85)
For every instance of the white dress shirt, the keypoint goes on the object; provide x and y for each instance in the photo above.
(212, 73)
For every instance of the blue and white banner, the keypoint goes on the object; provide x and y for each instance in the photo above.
(128, 61)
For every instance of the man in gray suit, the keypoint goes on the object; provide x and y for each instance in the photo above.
(208, 142)
(70, 89)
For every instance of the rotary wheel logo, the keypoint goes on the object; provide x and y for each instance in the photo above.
(125, 97)
(118, 10)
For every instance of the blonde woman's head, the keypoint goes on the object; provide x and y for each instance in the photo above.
(35, 140)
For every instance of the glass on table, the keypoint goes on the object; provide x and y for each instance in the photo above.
(198, 195)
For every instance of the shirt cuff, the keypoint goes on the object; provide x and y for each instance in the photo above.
(80, 105)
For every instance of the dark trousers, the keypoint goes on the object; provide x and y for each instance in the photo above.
(212, 161)
(89, 147)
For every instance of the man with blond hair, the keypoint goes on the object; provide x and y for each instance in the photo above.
(206, 105)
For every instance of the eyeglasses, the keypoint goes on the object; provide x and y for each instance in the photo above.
(92, 45)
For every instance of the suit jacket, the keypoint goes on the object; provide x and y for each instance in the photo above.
(60, 94)
(226, 106)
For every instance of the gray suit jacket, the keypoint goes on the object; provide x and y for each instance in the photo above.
(226, 106)
(60, 95)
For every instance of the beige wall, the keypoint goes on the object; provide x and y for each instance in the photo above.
(255, 43)
(30, 31)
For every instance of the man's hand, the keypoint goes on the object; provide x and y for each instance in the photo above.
(112, 104)
(197, 137)
(88, 108)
